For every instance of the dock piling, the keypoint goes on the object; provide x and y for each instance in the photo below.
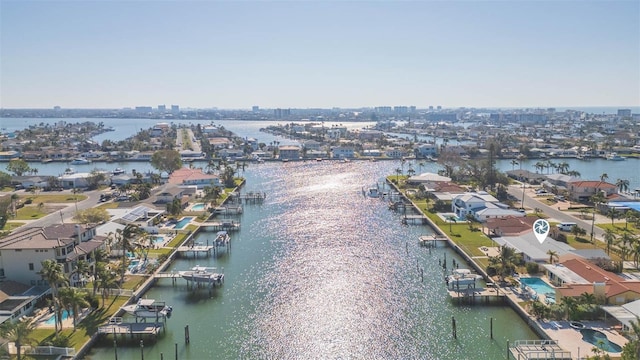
(176, 347)
(491, 328)
(186, 335)
(453, 325)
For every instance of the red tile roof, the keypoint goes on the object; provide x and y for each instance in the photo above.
(593, 184)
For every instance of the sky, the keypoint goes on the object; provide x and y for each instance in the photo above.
(319, 54)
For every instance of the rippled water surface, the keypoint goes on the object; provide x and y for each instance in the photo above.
(318, 271)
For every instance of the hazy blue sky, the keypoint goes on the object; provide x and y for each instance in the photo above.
(100, 54)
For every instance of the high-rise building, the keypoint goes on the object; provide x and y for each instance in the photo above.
(162, 108)
(255, 108)
(624, 112)
(175, 109)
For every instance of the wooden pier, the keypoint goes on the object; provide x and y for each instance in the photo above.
(538, 349)
(115, 326)
(413, 219)
(474, 295)
(196, 250)
(226, 225)
(251, 197)
(431, 240)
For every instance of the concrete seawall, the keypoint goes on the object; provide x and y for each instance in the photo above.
(512, 303)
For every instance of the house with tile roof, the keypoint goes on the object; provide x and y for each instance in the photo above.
(22, 252)
(574, 276)
(583, 190)
(193, 177)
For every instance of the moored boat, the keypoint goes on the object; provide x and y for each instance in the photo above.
(80, 161)
(615, 157)
(461, 277)
(148, 308)
(202, 274)
(118, 171)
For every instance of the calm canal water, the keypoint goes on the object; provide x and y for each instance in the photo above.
(319, 271)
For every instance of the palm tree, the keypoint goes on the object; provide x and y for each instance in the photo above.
(609, 238)
(73, 300)
(81, 269)
(630, 215)
(100, 258)
(514, 162)
(587, 298)
(19, 332)
(553, 255)
(451, 219)
(612, 213)
(622, 185)
(398, 172)
(14, 202)
(604, 177)
(569, 304)
(596, 199)
(125, 237)
(53, 274)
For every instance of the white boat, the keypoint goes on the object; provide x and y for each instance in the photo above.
(148, 308)
(80, 161)
(615, 157)
(373, 192)
(202, 274)
(118, 171)
(461, 277)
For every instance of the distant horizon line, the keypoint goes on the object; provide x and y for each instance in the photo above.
(325, 108)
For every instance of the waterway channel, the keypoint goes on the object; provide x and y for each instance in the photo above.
(320, 271)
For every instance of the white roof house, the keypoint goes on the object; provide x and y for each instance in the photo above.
(532, 249)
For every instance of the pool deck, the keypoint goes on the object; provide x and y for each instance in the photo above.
(570, 339)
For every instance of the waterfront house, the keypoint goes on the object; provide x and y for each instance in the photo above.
(583, 190)
(17, 299)
(526, 176)
(425, 150)
(531, 249)
(23, 251)
(168, 193)
(481, 205)
(312, 145)
(429, 180)
(574, 276)
(395, 153)
(341, 152)
(509, 226)
(289, 152)
(143, 216)
(218, 143)
(9, 155)
(187, 177)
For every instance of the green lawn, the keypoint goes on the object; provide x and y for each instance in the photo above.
(62, 198)
(469, 241)
(12, 225)
(30, 212)
(85, 328)
(619, 228)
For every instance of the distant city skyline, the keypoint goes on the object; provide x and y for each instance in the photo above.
(321, 54)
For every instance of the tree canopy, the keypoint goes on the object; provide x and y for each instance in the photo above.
(166, 160)
(18, 167)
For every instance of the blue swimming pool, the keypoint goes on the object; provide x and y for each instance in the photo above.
(600, 340)
(539, 285)
(157, 239)
(183, 222)
(198, 207)
(52, 319)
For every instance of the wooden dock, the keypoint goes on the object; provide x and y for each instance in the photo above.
(430, 240)
(115, 326)
(414, 219)
(226, 225)
(475, 295)
(538, 349)
(196, 250)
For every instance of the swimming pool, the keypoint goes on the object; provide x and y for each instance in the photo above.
(183, 222)
(539, 285)
(198, 207)
(600, 340)
(157, 239)
(52, 319)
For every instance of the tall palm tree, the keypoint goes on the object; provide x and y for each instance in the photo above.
(553, 256)
(19, 332)
(100, 258)
(569, 304)
(622, 185)
(53, 274)
(609, 238)
(514, 162)
(126, 237)
(73, 299)
(80, 270)
(587, 298)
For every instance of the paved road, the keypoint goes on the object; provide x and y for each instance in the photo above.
(552, 211)
(67, 213)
